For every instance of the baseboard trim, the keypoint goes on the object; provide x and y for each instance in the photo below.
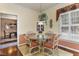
(69, 48)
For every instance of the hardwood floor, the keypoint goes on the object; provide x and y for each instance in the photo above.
(10, 51)
(14, 51)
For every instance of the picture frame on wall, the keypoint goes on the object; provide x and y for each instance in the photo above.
(50, 23)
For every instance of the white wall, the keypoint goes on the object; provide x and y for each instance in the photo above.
(26, 17)
(51, 12)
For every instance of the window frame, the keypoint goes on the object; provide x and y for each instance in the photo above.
(69, 33)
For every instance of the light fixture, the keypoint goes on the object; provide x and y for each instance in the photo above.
(40, 26)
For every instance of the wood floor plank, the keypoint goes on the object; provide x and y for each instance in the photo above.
(10, 51)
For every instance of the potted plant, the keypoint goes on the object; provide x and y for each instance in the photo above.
(43, 17)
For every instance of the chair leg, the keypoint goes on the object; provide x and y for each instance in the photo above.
(55, 52)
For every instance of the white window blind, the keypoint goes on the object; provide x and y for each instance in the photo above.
(69, 25)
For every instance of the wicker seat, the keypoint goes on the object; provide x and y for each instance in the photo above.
(32, 44)
(23, 39)
(51, 44)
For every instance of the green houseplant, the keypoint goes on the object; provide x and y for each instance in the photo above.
(43, 17)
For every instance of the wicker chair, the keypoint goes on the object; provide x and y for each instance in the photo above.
(51, 45)
(23, 39)
(34, 47)
(32, 44)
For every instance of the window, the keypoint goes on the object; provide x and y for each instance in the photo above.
(64, 23)
(69, 24)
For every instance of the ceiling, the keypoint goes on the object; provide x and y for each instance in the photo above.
(38, 6)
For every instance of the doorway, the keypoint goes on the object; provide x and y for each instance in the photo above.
(8, 30)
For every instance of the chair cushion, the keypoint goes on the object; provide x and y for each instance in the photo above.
(48, 44)
(34, 43)
(23, 38)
